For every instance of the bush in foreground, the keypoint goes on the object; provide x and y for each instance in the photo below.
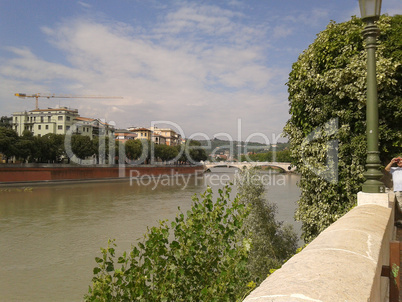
(204, 262)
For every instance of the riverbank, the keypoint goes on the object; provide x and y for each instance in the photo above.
(47, 174)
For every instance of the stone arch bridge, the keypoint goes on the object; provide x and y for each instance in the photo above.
(286, 167)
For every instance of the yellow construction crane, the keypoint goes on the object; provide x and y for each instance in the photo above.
(62, 96)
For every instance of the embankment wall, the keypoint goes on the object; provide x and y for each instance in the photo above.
(20, 174)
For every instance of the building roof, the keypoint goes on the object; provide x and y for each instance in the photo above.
(88, 119)
(85, 119)
(139, 129)
(55, 109)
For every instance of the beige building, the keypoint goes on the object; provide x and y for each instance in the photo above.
(58, 121)
(158, 139)
(92, 127)
(123, 135)
(163, 136)
(44, 121)
(142, 133)
(172, 138)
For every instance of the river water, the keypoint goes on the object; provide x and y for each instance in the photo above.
(50, 235)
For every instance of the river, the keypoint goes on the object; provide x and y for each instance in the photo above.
(50, 235)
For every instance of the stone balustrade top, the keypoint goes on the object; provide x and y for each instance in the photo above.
(342, 264)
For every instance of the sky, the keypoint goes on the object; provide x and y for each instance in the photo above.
(204, 68)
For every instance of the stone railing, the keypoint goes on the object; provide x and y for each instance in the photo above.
(343, 263)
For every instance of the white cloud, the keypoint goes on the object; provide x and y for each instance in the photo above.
(282, 31)
(169, 72)
(313, 18)
(84, 4)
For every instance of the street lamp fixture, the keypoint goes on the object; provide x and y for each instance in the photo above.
(370, 9)
(370, 12)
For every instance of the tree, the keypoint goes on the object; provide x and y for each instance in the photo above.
(49, 148)
(6, 121)
(272, 241)
(82, 146)
(192, 152)
(8, 140)
(133, 149)
(25, 146)
(165, 152)
(101, 147)
(328, 83)
(202, 259)
(196, 152)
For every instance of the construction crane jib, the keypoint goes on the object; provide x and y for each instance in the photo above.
(62, 96)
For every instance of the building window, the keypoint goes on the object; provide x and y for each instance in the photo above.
(60, 127)
(67, 128)
(48, 119)
(39, 127)
(67, 118)
(39, 135)
(60, 117)
(47, 127)
(41, 119)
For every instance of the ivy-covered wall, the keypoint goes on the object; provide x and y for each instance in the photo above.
(328, 83)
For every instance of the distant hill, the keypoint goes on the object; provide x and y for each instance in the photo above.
(220, 146)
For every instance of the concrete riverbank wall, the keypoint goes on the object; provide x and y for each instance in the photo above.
(21, 174)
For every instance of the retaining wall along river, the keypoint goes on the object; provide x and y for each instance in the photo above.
(49, 173)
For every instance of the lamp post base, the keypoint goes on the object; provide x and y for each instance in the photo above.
(373, 186)
(373, 174)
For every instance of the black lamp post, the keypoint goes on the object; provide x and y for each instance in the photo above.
(370, 12)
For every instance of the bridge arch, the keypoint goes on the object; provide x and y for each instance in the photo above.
(285, 167)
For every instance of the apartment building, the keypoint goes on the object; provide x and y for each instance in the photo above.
(163, 136)
(123, 135)
(158, 139)
(44, 121)
(142, 133)
(58, 121)
(172, 138)
(92, 127)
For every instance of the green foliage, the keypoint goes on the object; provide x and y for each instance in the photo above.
(165, 152)
(8, 139)
(133, 149)
(6, 122)
(272, 242)
(26, 145)
(329, 81)
(49, 148)
(196, 153)
(82, 146)
(280, 156)
(193, 151)
(198, 257)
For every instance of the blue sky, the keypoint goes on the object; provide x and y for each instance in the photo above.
(208, 67)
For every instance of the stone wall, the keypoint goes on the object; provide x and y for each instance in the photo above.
(37, 174)
(342, 264)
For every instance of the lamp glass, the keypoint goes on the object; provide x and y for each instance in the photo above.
(370, 8)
